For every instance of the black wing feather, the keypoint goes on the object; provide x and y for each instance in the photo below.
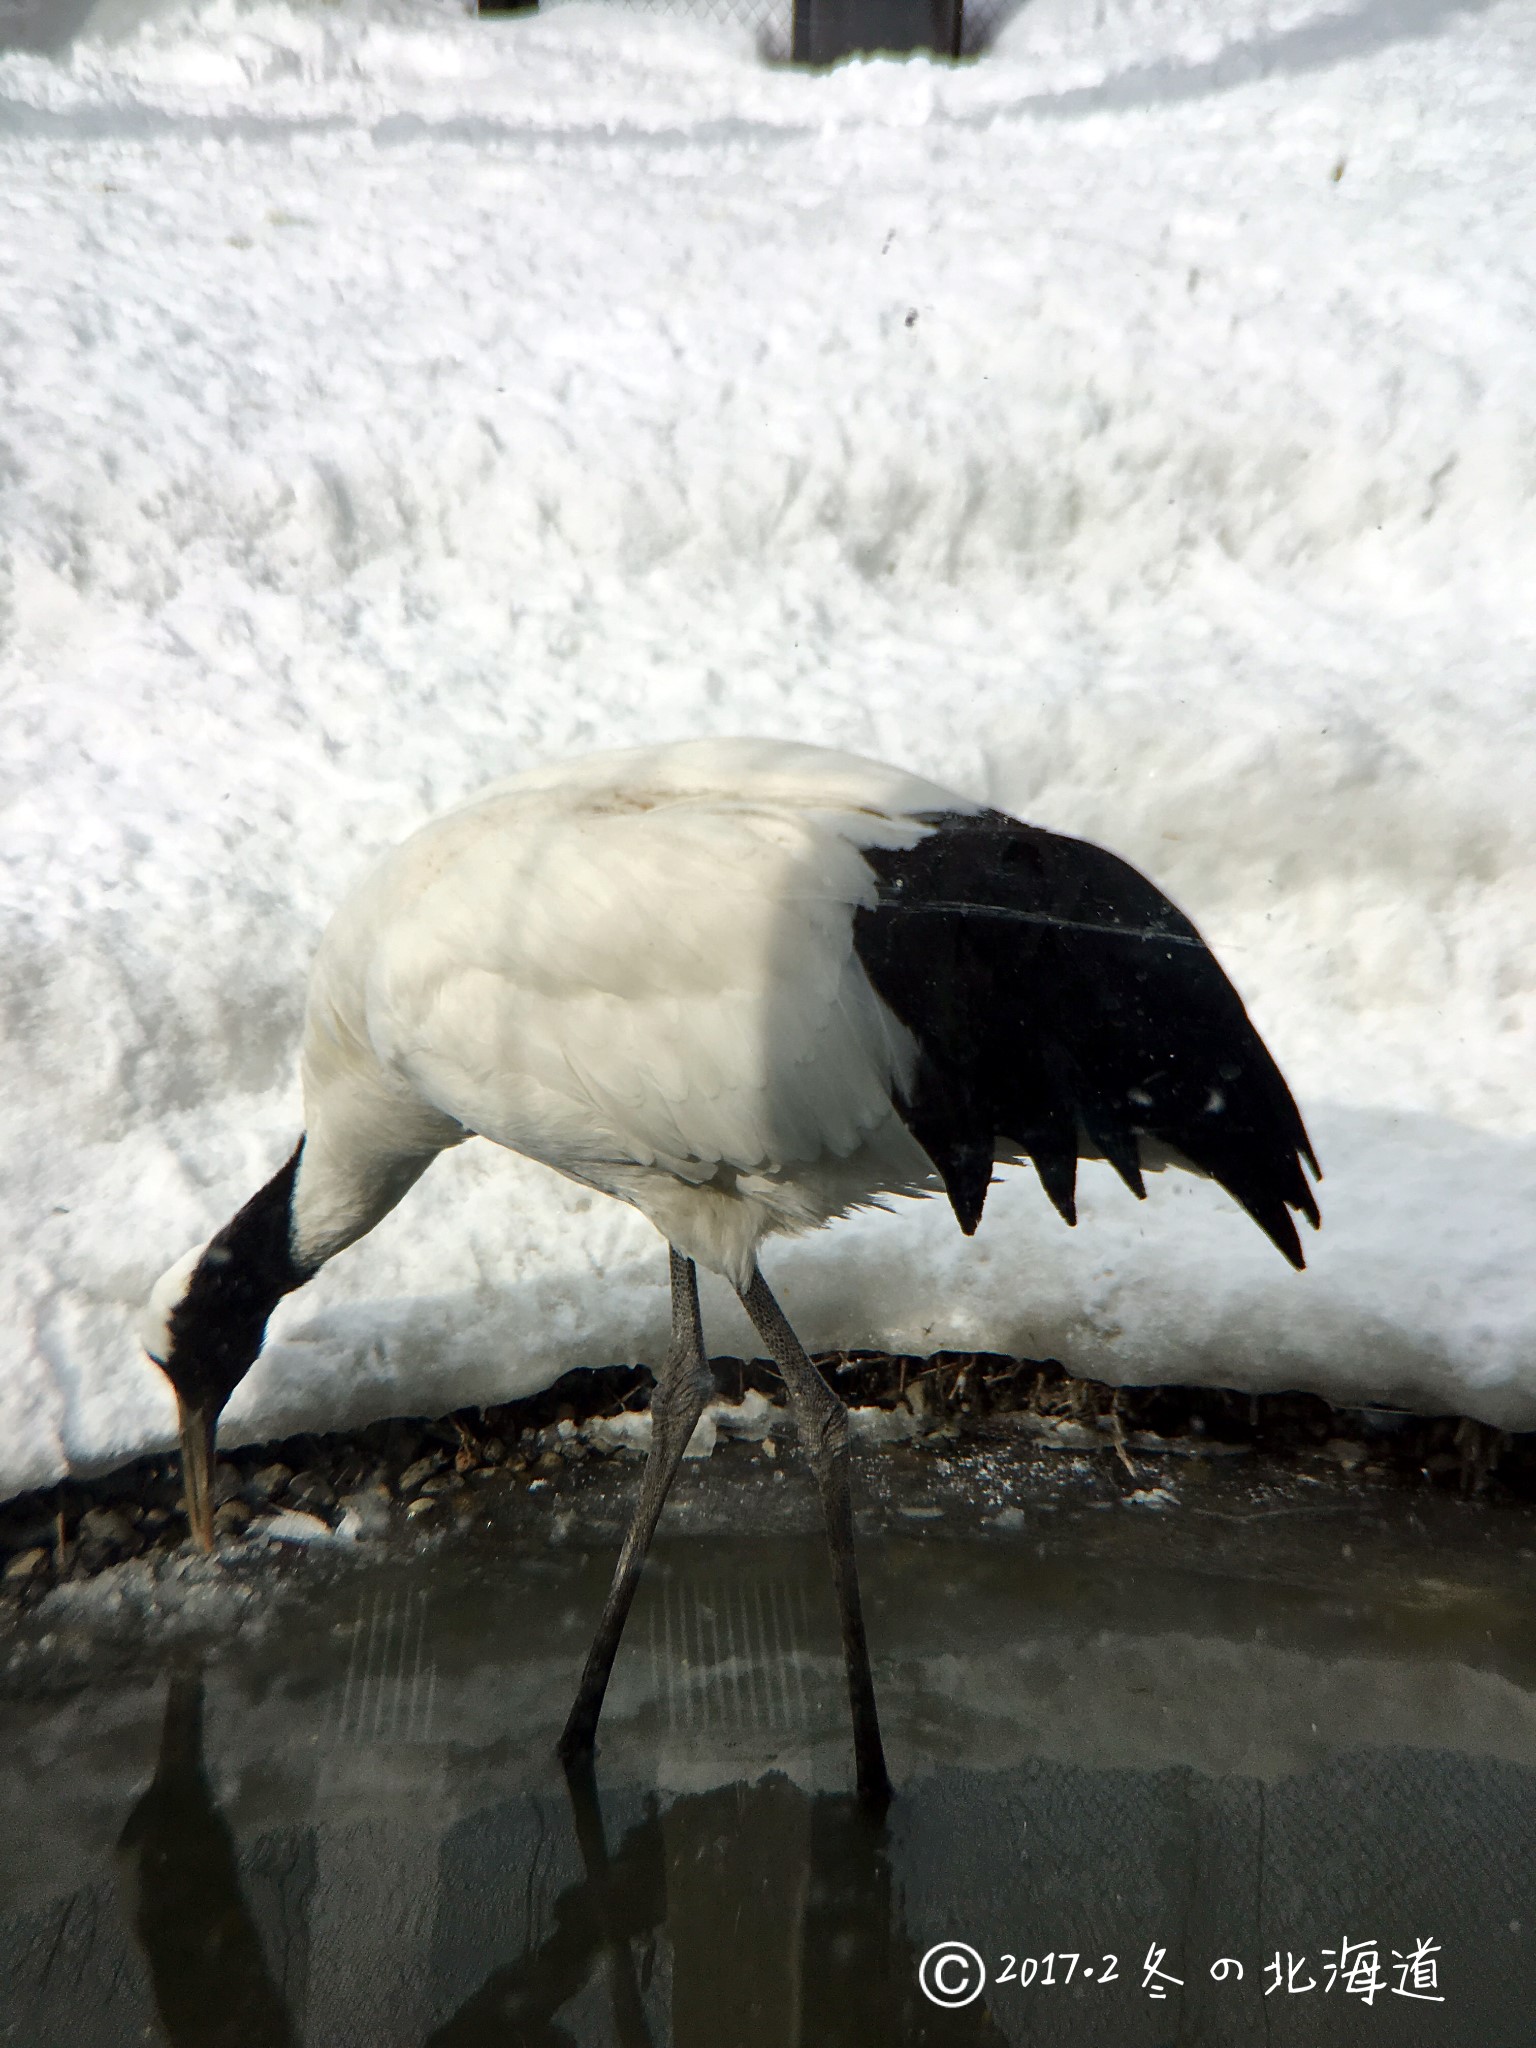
(1061, 1004)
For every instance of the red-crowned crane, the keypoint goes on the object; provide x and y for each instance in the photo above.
(745, 986)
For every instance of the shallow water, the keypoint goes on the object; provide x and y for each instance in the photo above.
(1253, 1725)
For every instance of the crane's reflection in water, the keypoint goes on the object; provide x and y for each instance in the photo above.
(362, 1840)
(180, 1882)
(756, 1915)
(778, 1917)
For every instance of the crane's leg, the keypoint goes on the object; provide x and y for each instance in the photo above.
(683, 1386)
(822, 1423)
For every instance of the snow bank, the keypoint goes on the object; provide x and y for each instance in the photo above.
(1134, 429)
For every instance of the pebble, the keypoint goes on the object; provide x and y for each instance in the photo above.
(413, 1475)
(26, 1564)
(366, 1512)
(269, 1480)
(1152, 1497)
(105, 1526)
(311, 1490)
(423, 1505)
(439, 1484)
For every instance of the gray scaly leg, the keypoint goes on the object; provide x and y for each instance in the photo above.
(822, 1423)
(682, 1388)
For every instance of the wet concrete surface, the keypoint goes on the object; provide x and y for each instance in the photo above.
(1217, 1716)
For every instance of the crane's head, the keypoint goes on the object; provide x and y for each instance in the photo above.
(203, 1326)
(205, 1320)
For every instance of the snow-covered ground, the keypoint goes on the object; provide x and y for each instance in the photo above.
(1136, 428)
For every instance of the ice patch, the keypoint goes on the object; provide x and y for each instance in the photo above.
(292, 1525)
(748, 1420)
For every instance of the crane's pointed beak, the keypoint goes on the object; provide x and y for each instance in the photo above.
(198, 1425)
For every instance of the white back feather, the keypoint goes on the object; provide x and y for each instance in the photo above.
(642, 961)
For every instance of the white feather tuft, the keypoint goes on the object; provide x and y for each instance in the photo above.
(167, 1292)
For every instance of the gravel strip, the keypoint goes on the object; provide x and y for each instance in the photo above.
(396, 1475)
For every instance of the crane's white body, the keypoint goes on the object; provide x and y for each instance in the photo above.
(637, 968)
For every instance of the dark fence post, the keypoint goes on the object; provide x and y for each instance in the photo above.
(825, 30)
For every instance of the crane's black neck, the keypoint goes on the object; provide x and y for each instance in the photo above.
(217, 1327)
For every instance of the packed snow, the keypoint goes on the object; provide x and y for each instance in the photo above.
(1135, 429)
